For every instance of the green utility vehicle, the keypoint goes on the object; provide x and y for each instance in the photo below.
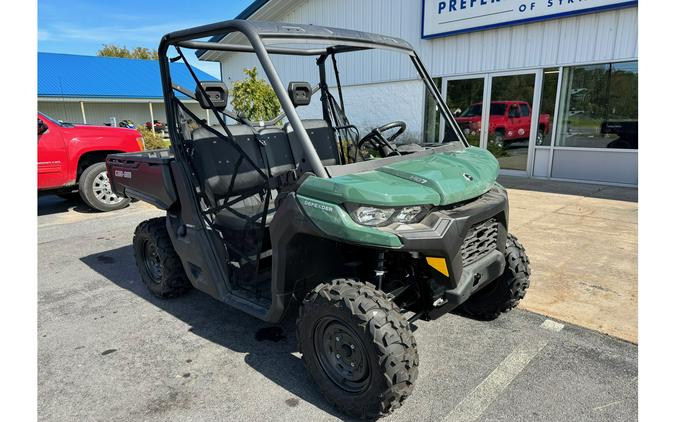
(364, 234)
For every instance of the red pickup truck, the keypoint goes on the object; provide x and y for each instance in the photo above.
(72, 157)
(509, 121)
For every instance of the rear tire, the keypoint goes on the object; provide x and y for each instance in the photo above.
(499, 138)
(95, 189)
(160, 267)
(504, 293)
(357, 347)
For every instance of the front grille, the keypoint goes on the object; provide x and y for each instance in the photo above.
(480, 240)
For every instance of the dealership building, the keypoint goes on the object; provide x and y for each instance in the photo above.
(554, 81)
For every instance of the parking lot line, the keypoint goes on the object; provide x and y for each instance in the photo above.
(551, 325)
(474, 404)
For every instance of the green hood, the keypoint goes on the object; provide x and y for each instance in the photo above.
(437, 179)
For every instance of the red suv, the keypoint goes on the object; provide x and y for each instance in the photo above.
(509, 121)
(72, 157)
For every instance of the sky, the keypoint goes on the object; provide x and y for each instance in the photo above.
(82, 27)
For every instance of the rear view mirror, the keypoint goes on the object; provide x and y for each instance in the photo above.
(41, 127)
(300, 93)
(216, 92)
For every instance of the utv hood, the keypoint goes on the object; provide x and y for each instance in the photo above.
(438, 179)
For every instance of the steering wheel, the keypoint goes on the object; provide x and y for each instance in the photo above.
(385, 145)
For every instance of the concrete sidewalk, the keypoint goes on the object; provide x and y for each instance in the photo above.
(582, 243)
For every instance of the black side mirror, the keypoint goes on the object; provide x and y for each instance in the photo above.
(300, 93)
(41, 127)
(216, 92)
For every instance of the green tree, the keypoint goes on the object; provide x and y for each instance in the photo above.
(144, 53)
(254, 97)
(112, 50)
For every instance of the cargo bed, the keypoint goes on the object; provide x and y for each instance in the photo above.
(143, 175)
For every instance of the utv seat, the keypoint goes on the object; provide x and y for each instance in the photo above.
(246, 214)
(323, 138)
(215, 161)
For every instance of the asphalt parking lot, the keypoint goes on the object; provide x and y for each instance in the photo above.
(108, 350)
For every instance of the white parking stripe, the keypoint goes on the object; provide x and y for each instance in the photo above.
(473, 405)
(551, 325)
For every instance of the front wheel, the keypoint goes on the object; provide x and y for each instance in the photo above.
(357, 347)
(499, 139)
(504, 293)
(540, 137)
(95, 189)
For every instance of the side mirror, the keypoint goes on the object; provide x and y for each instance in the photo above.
(300, 93)
(41, 127)
(216, 92)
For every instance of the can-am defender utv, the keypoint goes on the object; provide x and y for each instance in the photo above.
(357, 231)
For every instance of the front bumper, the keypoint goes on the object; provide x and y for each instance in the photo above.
(442, 234)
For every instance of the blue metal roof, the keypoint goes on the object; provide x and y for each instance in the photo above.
(69, 75)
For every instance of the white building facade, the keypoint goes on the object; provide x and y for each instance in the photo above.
(554, 81)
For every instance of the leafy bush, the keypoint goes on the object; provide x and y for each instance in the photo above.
(153, 140)
(112, 50)
(254, 97)
(497, 151)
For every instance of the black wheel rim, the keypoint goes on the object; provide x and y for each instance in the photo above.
(342, 355)
(153, 264)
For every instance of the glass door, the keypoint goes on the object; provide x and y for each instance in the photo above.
(512, 130)
(505, 103)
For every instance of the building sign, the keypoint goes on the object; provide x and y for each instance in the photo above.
(447, 17)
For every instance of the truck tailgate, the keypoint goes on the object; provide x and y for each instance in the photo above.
(143, 175)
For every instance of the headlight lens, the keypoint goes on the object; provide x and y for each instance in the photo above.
(374, 216)
(408, 214)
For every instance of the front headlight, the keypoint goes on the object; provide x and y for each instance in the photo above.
(372, 216)
(408, 214)
(375, 216)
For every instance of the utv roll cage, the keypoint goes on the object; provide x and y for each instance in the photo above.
(250, 157)
(260, 36)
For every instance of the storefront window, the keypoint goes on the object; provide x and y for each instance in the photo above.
(599, 106)
(465, 100)
(548, 92)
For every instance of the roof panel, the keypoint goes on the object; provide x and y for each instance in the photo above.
(69, 75)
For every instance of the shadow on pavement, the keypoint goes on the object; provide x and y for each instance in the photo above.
(269, 348)
(52, 204)
(616, 193)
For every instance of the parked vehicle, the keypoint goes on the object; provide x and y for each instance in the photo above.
(159, 126)
(625, 130)
(72, 158)
(509, 121)
(127, 124)
(269, 218)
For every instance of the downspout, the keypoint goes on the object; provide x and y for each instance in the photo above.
(84, 116)
(152, 117)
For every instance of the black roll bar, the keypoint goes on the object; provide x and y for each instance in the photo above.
(250, 32)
